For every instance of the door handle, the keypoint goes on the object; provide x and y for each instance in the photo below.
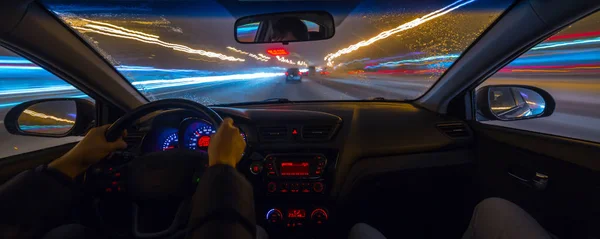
(538, 182)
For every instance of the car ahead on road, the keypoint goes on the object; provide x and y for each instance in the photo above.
(410, 145)
(293, 74)
(312, 71)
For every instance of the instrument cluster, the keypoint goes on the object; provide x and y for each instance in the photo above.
(192, 134)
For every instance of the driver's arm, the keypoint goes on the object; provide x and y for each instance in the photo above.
(40, 199)
(223, 205)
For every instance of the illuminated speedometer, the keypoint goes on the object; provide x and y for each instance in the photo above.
(200, 137)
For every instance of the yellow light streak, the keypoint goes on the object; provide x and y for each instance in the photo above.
(45, 116)
(502, 108)
(121, 32)
(263, 56)
(406, 26)
(120, 28)
(250, 54)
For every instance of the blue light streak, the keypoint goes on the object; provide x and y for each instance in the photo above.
(413, 61)
(565, 43)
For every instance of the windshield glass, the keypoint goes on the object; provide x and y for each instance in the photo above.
(394, 50)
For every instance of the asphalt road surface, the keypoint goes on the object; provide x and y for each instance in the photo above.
(576, 112)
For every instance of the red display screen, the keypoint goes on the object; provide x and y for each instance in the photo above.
(294, 169)
(296, 213)
(204, 141)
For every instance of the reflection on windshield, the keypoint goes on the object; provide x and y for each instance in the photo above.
(379, 50)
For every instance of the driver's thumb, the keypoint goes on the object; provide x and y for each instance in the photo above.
(118, 144)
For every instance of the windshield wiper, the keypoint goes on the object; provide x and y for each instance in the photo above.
(278, 100)
(379, 98)
(267, 101)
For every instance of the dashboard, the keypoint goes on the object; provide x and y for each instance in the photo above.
(303, 159)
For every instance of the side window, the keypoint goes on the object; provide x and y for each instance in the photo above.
(567, 66)
(21, 81)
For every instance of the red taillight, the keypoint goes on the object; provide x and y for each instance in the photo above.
(286, 73)
(299, 73)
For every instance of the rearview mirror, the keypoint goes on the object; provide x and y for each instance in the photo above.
(50, 118)
(514, 102)
(285, 27)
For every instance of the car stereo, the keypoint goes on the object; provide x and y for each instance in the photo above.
(297, 166)
(292, 173)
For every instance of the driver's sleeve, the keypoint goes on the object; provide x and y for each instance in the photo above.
(34, 202)
(223, 205)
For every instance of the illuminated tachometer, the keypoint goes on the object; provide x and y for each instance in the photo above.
(200, 138)
(171, 142)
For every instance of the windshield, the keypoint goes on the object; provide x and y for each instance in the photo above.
(394, 50)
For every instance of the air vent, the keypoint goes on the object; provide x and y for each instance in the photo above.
(278, 133)
(454, 130)
(134, 139)
(316, 132)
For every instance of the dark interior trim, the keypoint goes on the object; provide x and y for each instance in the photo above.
(583, 153)
(367, 167)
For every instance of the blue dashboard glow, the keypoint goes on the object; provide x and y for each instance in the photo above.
(168, 140)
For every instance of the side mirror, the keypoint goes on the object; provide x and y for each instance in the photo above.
(513, 102)
(51, 118)
(285, 27)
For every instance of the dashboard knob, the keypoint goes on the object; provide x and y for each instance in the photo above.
(318, 187)
(256, 168)
(272, 187)
(319, 216)
(274, 216)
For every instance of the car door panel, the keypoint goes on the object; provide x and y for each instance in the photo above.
(11, 166)
(508, 161)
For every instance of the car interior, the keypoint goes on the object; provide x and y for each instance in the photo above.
(411, 169)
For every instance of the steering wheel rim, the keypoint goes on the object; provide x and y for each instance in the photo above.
(143, 170)
(116, 129)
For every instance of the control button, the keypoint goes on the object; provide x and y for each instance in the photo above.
(318, 187)
(284, 187)
(272, 187)
(274, 216)
(319, 216)
(256, 168)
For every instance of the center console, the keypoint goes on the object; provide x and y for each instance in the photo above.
(291, 191)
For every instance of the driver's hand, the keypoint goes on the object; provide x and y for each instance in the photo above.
(90, 150)
(226, 146)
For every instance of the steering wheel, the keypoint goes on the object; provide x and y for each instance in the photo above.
(166, 176)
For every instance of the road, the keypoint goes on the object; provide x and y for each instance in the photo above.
(575, 116)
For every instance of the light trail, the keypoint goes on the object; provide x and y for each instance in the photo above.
(413, 61)
(158, 84)
(263, 56)
(249, 54)
(406, 26)
(284, 60)
(120, 28)
(45, 116)
(37, 90)
(567, 43)
(121, 32)
(574, 35)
